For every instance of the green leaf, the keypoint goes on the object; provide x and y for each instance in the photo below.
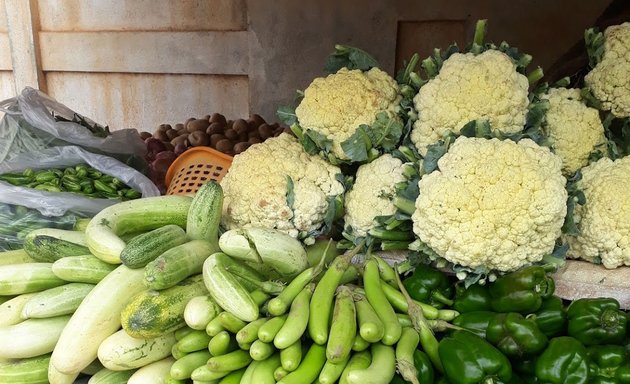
(594, 40)
(349, 57)
(385, 132)
(356, 146)
(287, 115)
(434, 153)
(315, 142)
(290, 192)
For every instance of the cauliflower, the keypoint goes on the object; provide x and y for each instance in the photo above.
(492, 205)
(604, 220)
(609, 81)
(471, 87)
(275, 184)
(336, 105)
(574, 129)
(372, 193)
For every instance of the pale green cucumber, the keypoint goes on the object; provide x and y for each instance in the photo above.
(148, 246)
(120, 352)
(62, 300)
(154, 373)
(25, 278)
(199, 311)
(18, 256)
(49, 244)
(33, 370)
(204, 215)
(82, 269)
(11, 310)
(31, 337)
(107, 376)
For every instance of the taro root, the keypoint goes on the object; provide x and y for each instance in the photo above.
(241, 147)
(171, 134)
(198, 138)
(215, 128)
(197, 125)
(218, 118)
(225, 146)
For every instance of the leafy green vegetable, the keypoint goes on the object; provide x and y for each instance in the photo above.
(349, 57)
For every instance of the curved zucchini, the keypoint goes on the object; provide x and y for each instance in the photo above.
(104, 230)
(31, 337)
(120, 352)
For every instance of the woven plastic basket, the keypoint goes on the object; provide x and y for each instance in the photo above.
(194, 168)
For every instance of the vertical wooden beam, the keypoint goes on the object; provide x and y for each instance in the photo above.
(23, 25)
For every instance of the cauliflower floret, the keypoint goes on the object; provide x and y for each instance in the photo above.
(336, 105)
(256, 187)
(604, 220)
(471, 87)
(610, 79)
(575, 130)
(372, 193)
(492, 203)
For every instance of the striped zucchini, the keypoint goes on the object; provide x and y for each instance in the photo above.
(63, 300)
(104, 230)
(31, 337)
(177, 263)
(49, 244)
(148, 246)
(154, 373)
(82, 269)
(204, 215)
(97, 317)
(155, 313)
(107, 376)
(25, 278)
(11, 310)
(18, 256)
(120, 352)
(33, 370)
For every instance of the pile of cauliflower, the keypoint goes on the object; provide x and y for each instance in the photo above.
(484, 200)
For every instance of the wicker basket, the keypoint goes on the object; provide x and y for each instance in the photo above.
(194, 168)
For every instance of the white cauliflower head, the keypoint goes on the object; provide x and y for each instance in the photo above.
(336, 105)
(604, 220)
(574, 129)
(372, 193)
(470, 87)
(492, 203)
(256, 187)
(610, 79)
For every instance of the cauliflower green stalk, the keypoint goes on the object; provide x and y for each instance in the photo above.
(607, 85)
(350, 116)
(491, 207)
(485, 82)
(277, 185)
(601, 215)
(370, 200)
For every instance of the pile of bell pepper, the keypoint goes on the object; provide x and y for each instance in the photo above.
(515, 330)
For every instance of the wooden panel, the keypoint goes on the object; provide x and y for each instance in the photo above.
(24, 45)
(3, 17)
(143, 15)
(5, 53)
(146, 52)
(143, 101)
(7, 88)
(422, 36)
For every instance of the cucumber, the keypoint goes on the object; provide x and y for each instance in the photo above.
(204, 215)
(33, 370)
(154, 313)
(63, 300)
(25, 278)
(18, 256)
(148, 246)
(49, 244)
(56, 377)
(121, 352)
(177, 263)
(94, 367)
(104, 230)
(11, 310)
(107, 376)
(154, 373)
(199, 311)
(82, 269)
(31, 337)
(97, 317)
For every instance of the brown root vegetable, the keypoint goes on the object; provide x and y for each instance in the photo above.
(145, 135)
(179, 127)
(265, 131)
(166, 155)
(154, 145)
(240, 126)
(197, 125)
(163, 127)
(206, 117)
(161, 165)
(168, 146)
(181, 139)
(218, 118)
(161, 135)
(231, 134)
(171, 134)
(240, 147)
(256, 120)
(255, 133)
(214, 139)
(225, 146)
(179, 149)
(188, 120)
(254, 140)
(198, 138)
(215, 128)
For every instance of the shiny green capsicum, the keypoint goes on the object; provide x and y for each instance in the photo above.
(521, 291)
(469, 359)
(476, 322)
(426, 373)
(564, 361)
(609, 364)
(515, 336)
(551, 317)
(428, 285)
(596, 321)
(471, 299)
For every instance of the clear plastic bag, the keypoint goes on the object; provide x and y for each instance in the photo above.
(29, 124)
(58, 203)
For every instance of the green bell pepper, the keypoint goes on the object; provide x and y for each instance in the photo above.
(596, 321)
(564, 361)
(551, 318)
(426, 373)
(469, 359)
(476, 322)
(471, 299)
(521, 291)
(430, 286)
(609, 364)
(515, 335)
